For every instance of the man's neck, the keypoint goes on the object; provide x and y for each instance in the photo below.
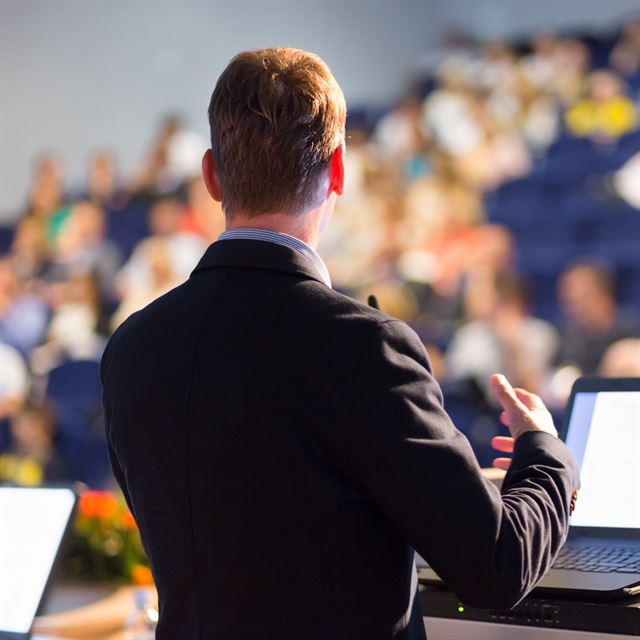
(304, 226)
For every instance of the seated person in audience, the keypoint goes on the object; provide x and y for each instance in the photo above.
(14, 381)
(399, 133)
(174, 158)
(452, 119)
(82, 248)
(23, 317)
(181, 249)
(46, 193)
(539, 117)
(442, 235)
(202, 216)
(29, 250)
(501, 334)
(103, 185)
(539, 66)
(160, 277)
(449, 117)
(77, 322)
(592, 319)
(622, 359)
(32, 458)
(606, 112)
(625, 57)
(572, 63)
(152, 177)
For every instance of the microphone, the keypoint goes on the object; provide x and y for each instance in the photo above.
(372, 301)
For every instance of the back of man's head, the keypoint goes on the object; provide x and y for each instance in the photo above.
(276, 117)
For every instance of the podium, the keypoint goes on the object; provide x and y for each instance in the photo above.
(535, 617)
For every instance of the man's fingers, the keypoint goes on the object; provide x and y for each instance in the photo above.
(523, 411)
(528, 399)
(502, 463)
(504, 393)
(542, 418)
(503, 443)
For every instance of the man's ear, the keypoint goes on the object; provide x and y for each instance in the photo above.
(336, 171)
(210, 176)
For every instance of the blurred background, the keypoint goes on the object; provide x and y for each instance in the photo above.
(492, 199)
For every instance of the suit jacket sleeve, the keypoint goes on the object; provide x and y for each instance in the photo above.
(490, 547)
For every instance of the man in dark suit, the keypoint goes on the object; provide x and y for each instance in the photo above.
(284, 448)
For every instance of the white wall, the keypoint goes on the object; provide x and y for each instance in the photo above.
(75, 75)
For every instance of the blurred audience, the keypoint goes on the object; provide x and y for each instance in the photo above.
(626, 181)
(23, 316)
(621, 359)
(625, 57)
(163, 260)
(202, 215)
(592, 319)
(175, 156)
(501, 335)
(606, 112)
(14, 381)
(502, 164)
(104, 187)
(32, 457)
(29, 250)
(81, 247)
(46, 193)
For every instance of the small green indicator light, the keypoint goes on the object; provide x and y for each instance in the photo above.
(460, 609)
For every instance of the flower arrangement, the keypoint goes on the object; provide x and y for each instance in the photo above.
(106, 544)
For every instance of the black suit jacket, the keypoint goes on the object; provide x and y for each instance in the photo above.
(284, 449)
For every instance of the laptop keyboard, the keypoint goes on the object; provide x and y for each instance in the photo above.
(599, 559)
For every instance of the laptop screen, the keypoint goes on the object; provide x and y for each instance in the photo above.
(32, 526)
(604, 435)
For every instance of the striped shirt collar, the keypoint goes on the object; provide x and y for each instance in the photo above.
(265, 235)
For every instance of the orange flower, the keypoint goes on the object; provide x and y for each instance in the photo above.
(141, 575)
(128, 521)
(98, 504)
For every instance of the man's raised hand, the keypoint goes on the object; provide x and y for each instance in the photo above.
(522, 412)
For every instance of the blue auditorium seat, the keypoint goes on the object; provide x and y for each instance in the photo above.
(4, 435)
(127, 226)
(521, 201)
(619, 152)
(634, 83)
(628, 145)
(628, 287)
(612, 233)
(74, 391)
(569, 146)
(472, 414)
(543, 286)
(570, 161)
(6, 238)
(619, 227)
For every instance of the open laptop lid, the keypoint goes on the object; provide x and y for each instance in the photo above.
(33, 525)
(602, 430)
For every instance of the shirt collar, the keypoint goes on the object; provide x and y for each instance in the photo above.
(275, 237)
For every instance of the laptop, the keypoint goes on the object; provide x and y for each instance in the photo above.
(601, 558)
(34, 522)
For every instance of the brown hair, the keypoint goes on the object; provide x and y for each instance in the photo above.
(276, 117)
